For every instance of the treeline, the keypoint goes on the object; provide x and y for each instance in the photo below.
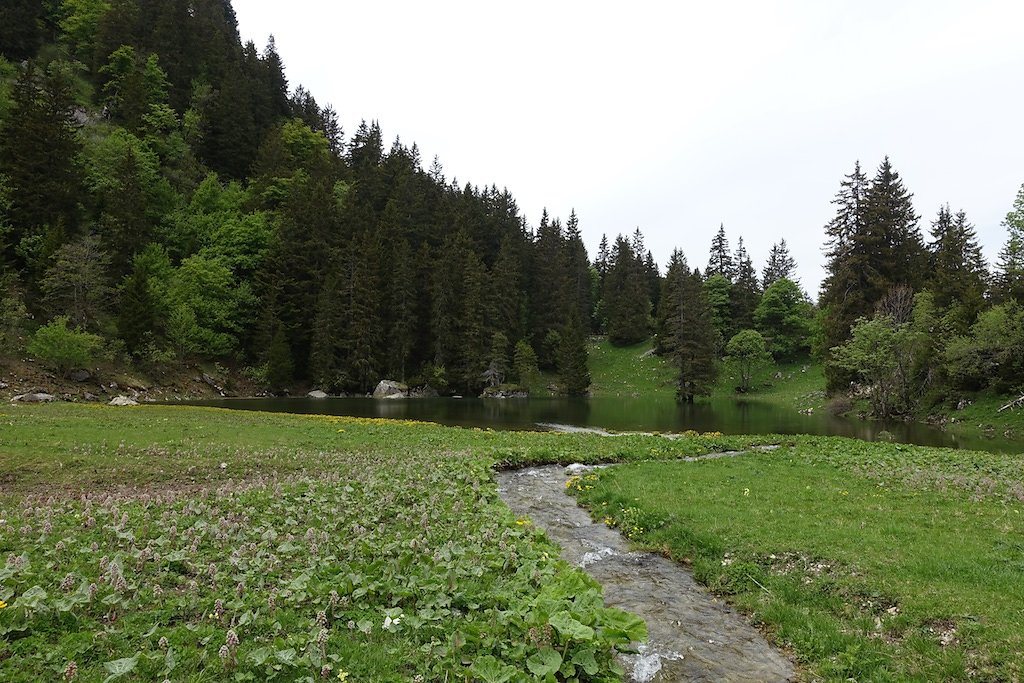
(167, 197)
(917, 322)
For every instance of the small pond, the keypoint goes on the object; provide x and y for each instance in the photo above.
(624, 414)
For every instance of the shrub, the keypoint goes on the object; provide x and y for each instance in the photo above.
(63, 348)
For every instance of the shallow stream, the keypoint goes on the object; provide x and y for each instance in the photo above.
(694, 636)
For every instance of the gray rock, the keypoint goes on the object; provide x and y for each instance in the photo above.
(426, 391)
(497, 392)
(316, 393)
(123, 401)
(389, 388)
(38, 397)
(3, 385)
(81, 375)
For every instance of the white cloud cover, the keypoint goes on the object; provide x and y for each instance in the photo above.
(676, 117)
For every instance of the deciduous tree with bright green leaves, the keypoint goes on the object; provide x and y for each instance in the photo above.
(63, 348)
(747, 354)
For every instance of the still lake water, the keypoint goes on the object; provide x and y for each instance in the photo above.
(622, 414)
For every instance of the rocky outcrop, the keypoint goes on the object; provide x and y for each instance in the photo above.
(123, 401)
(389, 388)
(34, 397)
(505, 391)
(426, 391)
(81, 375)
(316, 393)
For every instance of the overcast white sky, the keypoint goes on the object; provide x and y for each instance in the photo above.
(675, 117)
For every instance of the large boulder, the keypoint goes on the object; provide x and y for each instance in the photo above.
(36, 397)
(316, 393)
(123, 401)
(389, 388)
(81, 375)
(426, 391)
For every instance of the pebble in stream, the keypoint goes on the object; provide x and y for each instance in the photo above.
(693, 635)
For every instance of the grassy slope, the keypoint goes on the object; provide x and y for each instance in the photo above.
(201, 522)
(633, 371)
(796, 385)
(629, 370)
(871, 561)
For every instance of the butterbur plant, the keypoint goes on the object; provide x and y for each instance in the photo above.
(416, 560)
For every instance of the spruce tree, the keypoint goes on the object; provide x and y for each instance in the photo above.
(625, 301)
(328, 333)
(687, 336)
(1010, 270)
(900, 258)
(507, 302)
(577, 269)
(279, 362)
(572, 357)
(720, 262)
(401, 309)
(548, 294)
(957, 274)
(745, 294)
(21, 31)
(845, 292)
(603, 257)
(780, 265)
(717, 291)
(39, 149)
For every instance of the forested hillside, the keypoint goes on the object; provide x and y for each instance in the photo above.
(167, 197)
(165, 190)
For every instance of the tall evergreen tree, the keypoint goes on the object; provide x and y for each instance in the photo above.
(1010, 270)
(718, 293)
(625, 302)
(21, 30)
(507, 299)
(548, 294)
(39, 151)
(572, 357)
(957, 274)
(687, 335)
(745, 292)
(720, 262)
(577, 269)
(875, 245)
(901, 257)
(780, 265)
(401, 310)
(845, 291)
(601, 263)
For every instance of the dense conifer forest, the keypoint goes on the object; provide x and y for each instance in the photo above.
(167, 196)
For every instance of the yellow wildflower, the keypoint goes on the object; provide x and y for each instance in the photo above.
(2, 604)
(343, 676)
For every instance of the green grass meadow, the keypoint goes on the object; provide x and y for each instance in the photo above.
(188, 544)
(197, 544)
(870, 562)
